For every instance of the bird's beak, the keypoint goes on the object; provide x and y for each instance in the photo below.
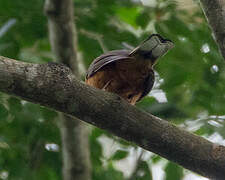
(156, 46)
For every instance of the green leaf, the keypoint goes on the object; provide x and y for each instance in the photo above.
(173, 171)
(96, 132)
(3, 112)
(156, 158)
(145, 168)
(128, 15)
(143, 172)
(48, 114)
(108, 173)
(120, 154)
(96, 153)
(15, 105)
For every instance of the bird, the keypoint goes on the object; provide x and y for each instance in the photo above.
(128, 73)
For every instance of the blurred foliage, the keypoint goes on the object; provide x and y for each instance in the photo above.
(191, 77)
(173, 172)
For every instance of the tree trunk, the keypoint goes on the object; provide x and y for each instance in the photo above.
(215, 14)
(74, 133)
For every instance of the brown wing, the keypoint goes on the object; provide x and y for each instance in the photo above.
(148, 84)
(105, 59)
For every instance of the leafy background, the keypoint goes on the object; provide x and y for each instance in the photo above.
(189, 92)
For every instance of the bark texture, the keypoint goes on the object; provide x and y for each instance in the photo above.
(54, 86)
(74, 133)
(215, 14)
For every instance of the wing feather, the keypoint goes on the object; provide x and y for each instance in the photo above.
(105, 59)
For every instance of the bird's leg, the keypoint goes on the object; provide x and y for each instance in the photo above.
(106, 85)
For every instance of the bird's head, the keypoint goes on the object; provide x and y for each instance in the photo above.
(152, 48)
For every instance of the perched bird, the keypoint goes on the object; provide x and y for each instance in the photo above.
(128, 73)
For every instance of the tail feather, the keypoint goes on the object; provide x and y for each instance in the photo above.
(155, 46)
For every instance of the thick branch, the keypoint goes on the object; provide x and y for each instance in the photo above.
(215, 13)
(54, 86)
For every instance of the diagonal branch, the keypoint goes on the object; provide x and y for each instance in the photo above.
(215, 13)
(54, 86)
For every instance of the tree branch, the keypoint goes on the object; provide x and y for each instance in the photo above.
(54, 86)
(215, 14)
(74, 133)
